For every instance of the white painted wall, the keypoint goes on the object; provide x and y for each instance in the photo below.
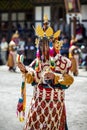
(84, 15)
(84, 11)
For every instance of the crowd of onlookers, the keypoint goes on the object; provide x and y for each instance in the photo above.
(26, 46)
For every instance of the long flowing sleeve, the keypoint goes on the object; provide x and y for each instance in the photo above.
(64, 79)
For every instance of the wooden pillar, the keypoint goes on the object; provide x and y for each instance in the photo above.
(9, 20)
(70, 22)
(74, 26)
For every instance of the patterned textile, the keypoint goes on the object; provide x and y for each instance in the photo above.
(46, 112)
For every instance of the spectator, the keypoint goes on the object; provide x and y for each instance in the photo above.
(79, 35)
(29, 51)
(21, 46)
(65, 47)
(83, 31)
(4, 49)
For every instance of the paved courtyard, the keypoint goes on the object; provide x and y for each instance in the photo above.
(76, 100)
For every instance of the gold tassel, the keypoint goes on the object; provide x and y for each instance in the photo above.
(29, 78)
(56, 79)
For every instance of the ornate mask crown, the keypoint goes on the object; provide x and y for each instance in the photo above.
(45, 19)
(52, 38)
(49, 34)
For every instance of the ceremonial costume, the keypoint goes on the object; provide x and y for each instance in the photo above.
(74, 56)
(11, 63)
(47, 109)
(50, 77)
